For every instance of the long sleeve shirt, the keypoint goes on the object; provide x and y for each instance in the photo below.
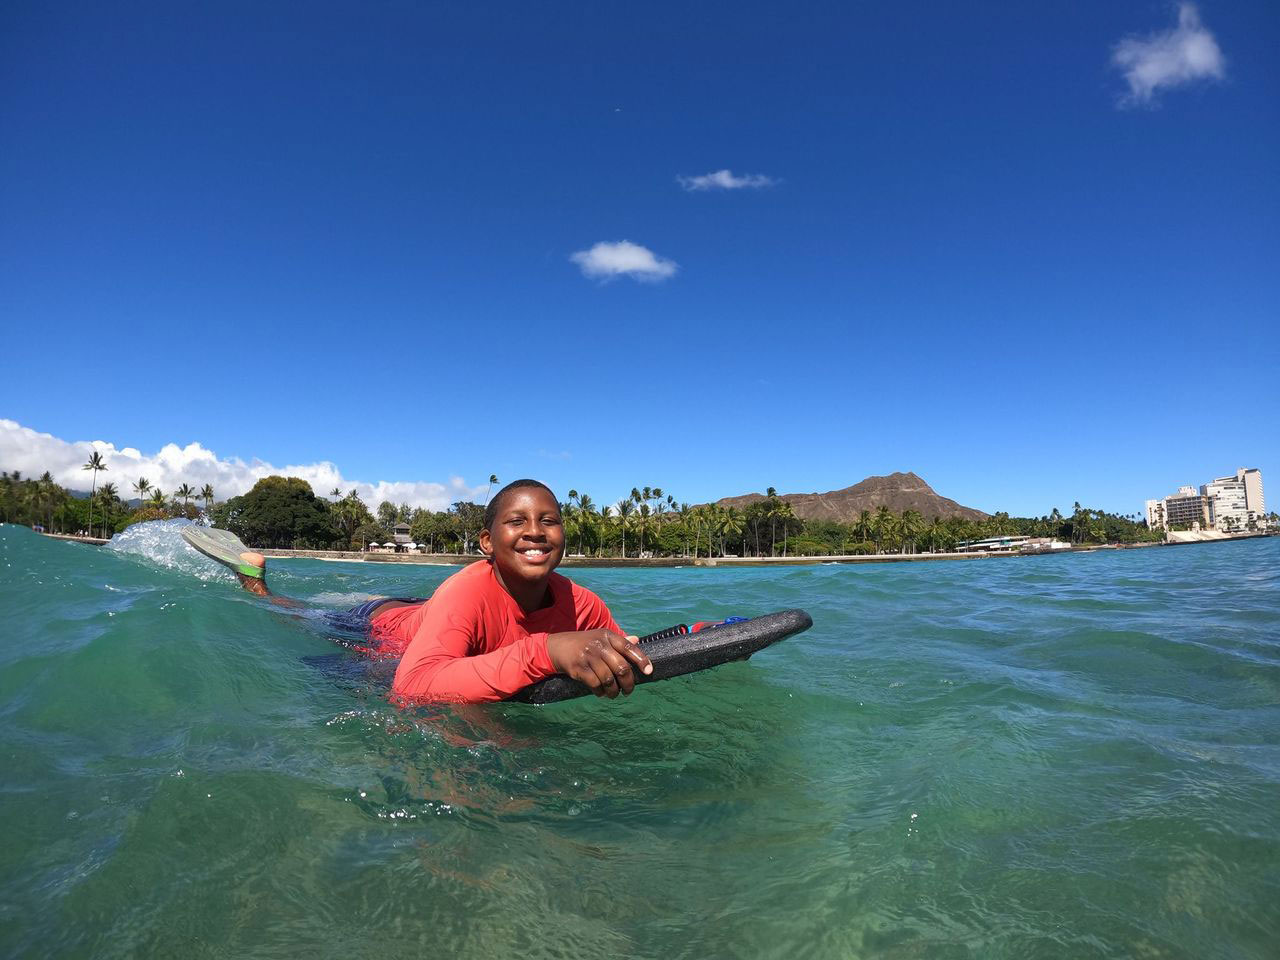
(472, 643)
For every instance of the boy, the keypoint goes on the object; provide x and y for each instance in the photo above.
(499, 625)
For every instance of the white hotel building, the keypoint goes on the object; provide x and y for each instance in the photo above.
(1228, 504)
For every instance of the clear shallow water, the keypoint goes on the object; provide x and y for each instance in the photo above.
(1049, 757)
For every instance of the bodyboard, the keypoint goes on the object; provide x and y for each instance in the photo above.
(675, 656)
(222, 546)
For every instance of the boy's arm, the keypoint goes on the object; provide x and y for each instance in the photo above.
(438, 665)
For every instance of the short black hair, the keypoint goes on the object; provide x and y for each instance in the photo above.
(491, 511)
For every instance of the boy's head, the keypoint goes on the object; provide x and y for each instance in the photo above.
(491, 511)
(523, 532)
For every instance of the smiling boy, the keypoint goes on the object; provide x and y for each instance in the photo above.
(497, 626)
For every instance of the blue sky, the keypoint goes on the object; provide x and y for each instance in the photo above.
(1027, 251)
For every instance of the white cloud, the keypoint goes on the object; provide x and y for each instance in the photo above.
(623, 259)
(1171, 58)
(31, 452)
(726, 180)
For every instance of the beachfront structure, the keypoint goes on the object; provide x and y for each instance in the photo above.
(1227, 503)
(401, 537)
(1253, 491)
(1231, 506)
(1155, 515)
(1186, 508)
(1011, 544)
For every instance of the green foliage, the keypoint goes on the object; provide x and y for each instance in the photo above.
(807, 547)
(368, 533)
(144, 515)
(280, 512)
(284, 512)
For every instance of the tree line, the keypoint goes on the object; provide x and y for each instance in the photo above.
(285, 512)
(39, 501)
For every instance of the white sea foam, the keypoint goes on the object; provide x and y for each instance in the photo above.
(160, 541)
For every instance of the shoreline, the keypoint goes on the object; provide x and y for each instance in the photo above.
(459, 559)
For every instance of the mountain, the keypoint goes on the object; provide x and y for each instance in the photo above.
(897, 491)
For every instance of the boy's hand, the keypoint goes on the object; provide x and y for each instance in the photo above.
(601, 659)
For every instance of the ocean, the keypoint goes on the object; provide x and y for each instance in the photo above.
(1062, 756)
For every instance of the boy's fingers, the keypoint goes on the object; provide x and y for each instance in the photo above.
(606, 683)
(637, 656)
(621, 670)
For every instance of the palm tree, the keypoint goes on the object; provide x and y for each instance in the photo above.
(47, 493)
(186, 492)
(787, 514)
(643, 521)
(493, 478)
(95, 464)
(771, 494)
(108, 496)
(157, 498)
(336, 493)
(935, 533)
(862, 526)
(881, 524)
(731, 525)
(625, 508)
(910, 525)
(569, 518)
(586, 516)
(141, 488)
(606, 512)
(696, 515)
(684, 511)
(713, 514)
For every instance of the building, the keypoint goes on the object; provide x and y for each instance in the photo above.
(401, 537)
(1155, 515)
(1236, 502)
(1253, 500)
(1186, 508)
(1011, 544)
(1229, 504)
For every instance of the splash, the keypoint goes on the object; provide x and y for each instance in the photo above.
(160, 542)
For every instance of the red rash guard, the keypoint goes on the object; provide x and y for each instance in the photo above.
(472, 643)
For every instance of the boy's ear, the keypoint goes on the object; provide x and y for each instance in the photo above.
(486, 543)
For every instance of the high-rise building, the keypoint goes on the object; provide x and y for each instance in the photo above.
(1253, 501)
(1236, 503)
(1228, 503)
(1155, 515)
(1186, 508)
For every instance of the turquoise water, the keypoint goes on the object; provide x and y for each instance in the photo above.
(1071, 756)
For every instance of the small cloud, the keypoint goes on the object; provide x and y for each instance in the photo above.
(726, 180)
(555, 454)
(1171, 58)
(605, 261)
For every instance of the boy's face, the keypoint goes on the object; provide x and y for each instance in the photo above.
(527, 538)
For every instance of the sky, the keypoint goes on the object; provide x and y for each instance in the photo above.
(1027, 251)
